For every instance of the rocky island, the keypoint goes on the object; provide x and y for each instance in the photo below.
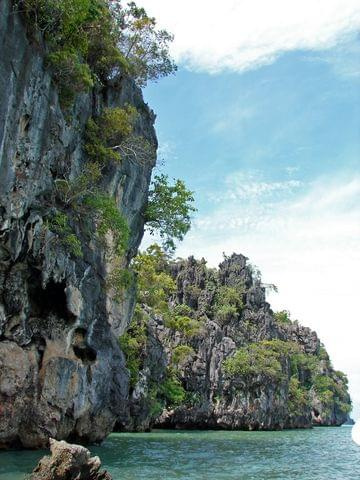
(94, 337)
(217, 356)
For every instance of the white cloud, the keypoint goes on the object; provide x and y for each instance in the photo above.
(306, 243)
(250, 186)
(238, 35)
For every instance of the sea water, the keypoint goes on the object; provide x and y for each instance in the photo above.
(317, 454)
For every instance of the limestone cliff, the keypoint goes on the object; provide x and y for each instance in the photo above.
(222, 359)
(62, 373)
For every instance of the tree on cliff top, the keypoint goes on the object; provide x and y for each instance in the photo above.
(92, 41)
(145, 48)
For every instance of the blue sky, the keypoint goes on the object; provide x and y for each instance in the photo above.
(267, 134)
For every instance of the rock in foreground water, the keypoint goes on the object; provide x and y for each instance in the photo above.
(69, 462)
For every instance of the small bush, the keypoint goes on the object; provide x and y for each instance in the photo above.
(299, 399)
(172, 391)
(181, 354)
(107, 132)
(110, 219)
(155, 405)
(72, 192)
(70, 74)
(228, 303)
(183, 310)
(283, 317)
(186, 325)
(119, 280)
(132, 343)
(224, 313)
(59, 224)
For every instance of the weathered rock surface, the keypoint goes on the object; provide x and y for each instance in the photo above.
(69, 462)
(303, 394)
(62, 373)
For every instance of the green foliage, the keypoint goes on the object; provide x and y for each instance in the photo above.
(169, 210)
(59, 224)
(224, 313)
(109, 219)
(108, 131)
(154, 283)
(323, 355)
(192, 399)
(302, 362)
(186, 325)
(155, 287)
(96, 40)
(132, 343)
(171, 390)
(227, 303)
(67, 26)
(119, 280)
(155, 405)
(332, 391)
(282, 317)
(183, 310)
(299, 398)
(281, 348)
(181, 354)
(262, 358)
(145, 48)
(71, 74)
(252, 360)
(72, 192)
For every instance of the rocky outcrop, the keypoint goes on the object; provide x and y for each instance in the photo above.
(283, 379)
(69, 462)
(62, 373)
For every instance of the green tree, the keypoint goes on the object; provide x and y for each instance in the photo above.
(169, 210)
(144, 47)
(154, 283)
(228, 303)
(107, 132)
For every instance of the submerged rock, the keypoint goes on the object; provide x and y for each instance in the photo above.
(69, 462)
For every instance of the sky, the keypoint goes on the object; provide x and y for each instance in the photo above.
(262, 121)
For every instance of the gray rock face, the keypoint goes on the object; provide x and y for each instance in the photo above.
(306, 391)
(69, 462)
(62, 373)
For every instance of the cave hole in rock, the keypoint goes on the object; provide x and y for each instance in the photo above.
(51, 299)
(81, 348)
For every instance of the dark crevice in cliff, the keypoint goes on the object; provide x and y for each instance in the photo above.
(81, 349)
(48, 300)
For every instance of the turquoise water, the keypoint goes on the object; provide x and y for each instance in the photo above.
(318, 454)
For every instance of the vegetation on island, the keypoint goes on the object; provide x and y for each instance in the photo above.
(282, 362)
(92, 41)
